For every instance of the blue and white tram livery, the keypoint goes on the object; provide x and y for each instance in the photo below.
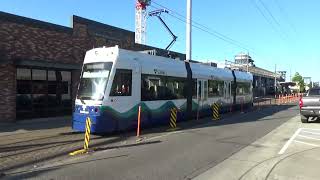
(114, 82)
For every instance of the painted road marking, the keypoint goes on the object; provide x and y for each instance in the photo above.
(307, 137)
(311, 129)
(306, 143)
(284, 148)
(311, 132)
(298, 134)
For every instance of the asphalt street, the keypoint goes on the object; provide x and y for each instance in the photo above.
(181, 154)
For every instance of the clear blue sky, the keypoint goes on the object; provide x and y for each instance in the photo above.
(291, 42)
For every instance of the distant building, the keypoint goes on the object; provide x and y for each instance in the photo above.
(244, 59)
(263, 80)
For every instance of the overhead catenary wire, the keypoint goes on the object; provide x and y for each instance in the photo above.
(273, 18)
(262, 13)
(269, 12)
(286, 16)
(204, 28)
(268, 20)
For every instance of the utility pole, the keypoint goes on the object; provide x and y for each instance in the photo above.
(189, 31)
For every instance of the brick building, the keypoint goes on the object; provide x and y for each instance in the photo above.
(40, 62)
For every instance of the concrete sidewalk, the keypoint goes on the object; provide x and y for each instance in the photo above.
(261, 159)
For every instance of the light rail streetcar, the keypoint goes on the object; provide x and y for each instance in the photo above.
(114, 82)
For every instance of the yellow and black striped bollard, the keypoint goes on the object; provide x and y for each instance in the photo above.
(215, 111)
(87, 134)
(173, 118)
(86, 139)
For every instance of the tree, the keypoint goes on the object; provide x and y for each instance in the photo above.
(299, 79)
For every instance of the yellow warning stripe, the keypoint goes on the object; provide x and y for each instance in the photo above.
(87, 133)
(215, 116)
(215, 111)
(173, 117)
(175, 114)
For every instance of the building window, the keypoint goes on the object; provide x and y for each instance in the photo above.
(43, 93)
(66, 100)
(24, 92)
(122, 83)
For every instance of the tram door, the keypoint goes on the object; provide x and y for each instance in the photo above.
(202, 94)
(227, 91)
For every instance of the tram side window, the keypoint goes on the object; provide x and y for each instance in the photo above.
(243, 88)
(176, 87)
(215, 88)
(162, 88)
(122, 83)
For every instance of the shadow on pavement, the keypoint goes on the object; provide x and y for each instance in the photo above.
(30, 174)
(125, 146)
(40, 145)
(36, 124)
(250, 115)
(62, 151)
(34, 173)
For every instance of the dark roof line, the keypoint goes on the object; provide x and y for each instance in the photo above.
(98, 24)
(33, 22)
(4, 16)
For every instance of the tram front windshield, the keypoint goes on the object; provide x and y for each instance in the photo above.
(93, 81)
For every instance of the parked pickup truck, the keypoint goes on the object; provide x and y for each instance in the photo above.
(310, 105)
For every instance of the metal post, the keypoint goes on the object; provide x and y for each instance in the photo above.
(139, 121)
(188, 31)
